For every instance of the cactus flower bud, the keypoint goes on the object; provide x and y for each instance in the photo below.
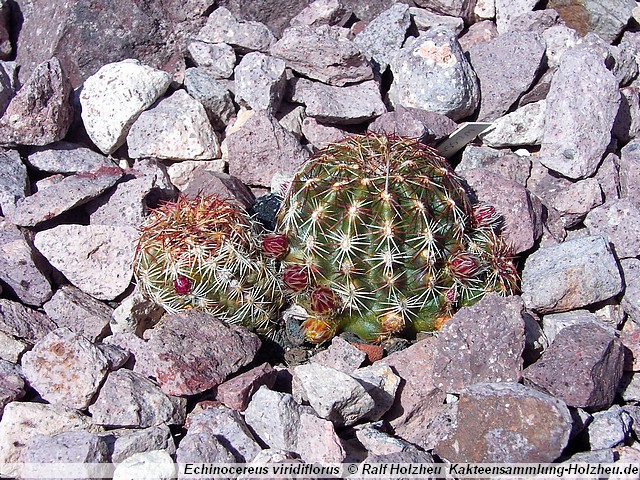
(182, 285)
(296, 277)
(275, 246)
(463, 266)
(318, 330)
(484, 216)
(323, 300)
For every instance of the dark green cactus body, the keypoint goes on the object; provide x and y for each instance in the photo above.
(383, 224)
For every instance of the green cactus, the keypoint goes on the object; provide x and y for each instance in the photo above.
(204, 253)
(382, 240)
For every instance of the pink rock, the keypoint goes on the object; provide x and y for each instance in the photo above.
(237, 391)
(318, 441)
(340, 355)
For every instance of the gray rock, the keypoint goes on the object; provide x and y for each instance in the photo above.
(627, 123)
(571, 275)
(522, 127)
(431, 72)
(629, 387)
(223, 27)
(631, 299)
(411, 455)
(576, 201)
(12, 385)
(582, 366)
(21, 327)
(65, 157)
(202, 447)
(72, 308)
(318, 441)
(275, 418)
(383, 36)
(125, 442)
(323, 56)
(379, 443)
(619, 221)
(176, 128)
(21, 269)
(135, 314)
(41, 112)
(340, 105)
(127, 399)
(67, 193)
(535, 21)
(508, 10)
(261, 148)
(320, 135)
(116, 357)
(226, 186)
(511, 166)
(381, 383)
(260, 82)
(608, 176)
(559, 39)
(181, 173)
(322, 12)
(425, 19)
(428, 127)
(14, 183)
(506, 67)
(212, 94)
(454, 8)
(114, 97)
(506, 422)
(291, 116)
(630, 171)
(236, 392)
(340, 355)
(555, 322)
(156, 464)
(609, 428)
(572, 145)
(98, 259)
(219, 59)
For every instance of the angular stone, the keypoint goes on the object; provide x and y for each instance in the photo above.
(318, 441)
(619, 221)
(116, 357)
(608, 176)
(80, 448)
(629, 387)
(571, 275)
(506, 67)
(319, 55)
(381, 383)
(181, 173)
(379, 443)
(340, 105)
(260, 82)
(275, 418)
(223, 27)
(41, 111)
(577, 200)
(125, 442)
(202, 447)
(630, 171)
(214, 96)
(190, 352)
(14, 182)
(582, 366)
(508, 10)
(522, 127)
(320, 135)
(12, 385)
(522, 211)
(432, 73)
(631, 299)
(21, 269)
(23, 324)
(425, 19)
(609, 428)
(98, 259)
(428, 127)
(291, 117)
(454, 8)
(506, 422)
(555, 322)
(65, 368)
(627, 123)
(236, 392)
(410, 455)
(114, 97)
(340, 355)
(72, 308)
(383, 36)
(226, 186)
(559, 39)
(219, 59)
(573, 145)
(156, 464)
(127, 399)
(322, 12)
(135, 314)
(477, 33)
(66, 157)
(261, 148)
(535, 21)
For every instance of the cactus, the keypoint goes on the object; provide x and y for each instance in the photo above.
(204, 253)
(382, 240)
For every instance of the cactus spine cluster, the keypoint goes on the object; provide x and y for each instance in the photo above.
(205, 253)
(381, 239)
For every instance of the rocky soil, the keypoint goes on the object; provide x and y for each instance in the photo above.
(109, 108)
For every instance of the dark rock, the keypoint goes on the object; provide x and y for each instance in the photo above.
(14, 183)
(22, 324)
(222, 184)
(12, 385)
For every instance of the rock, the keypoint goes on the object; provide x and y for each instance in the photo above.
(219, 59)
(181, 173)
(14, 183)
(62, 196)
(506, 67)
(114, 97)
(571, 275)
(206, 182)
(97, 259)
(202, 447)
(432, 73)
(67, 158)
(381, 383)
(582, 366)
(609, 428)
(22, 421)
(507, 11)
(291, 116)
(559, 39)
(322, 12)
(506, 422)
(630, 171)
(627, 123)
(426, 19)
(482, 343)
(116, 357)
(477, 33)
(572, 145)
(228, 427)
(341, 355)
(7, 86)
(214, 96)
(21, 269)
(320, 55)
(65, 368)
(135, 314)
(320, 135)
(236, 392)
(260, 82)
(379, 443)
(522, 211)
(608, 176)
(6, 50)
(318, 441)
(261, 148)
(12, 385)
(384, 35)
(522, 127)
(41, 111)
(629, 387)
(275, 418)
(223, 27)
(190, 352)
(454, 8)
(411, 455)
(555, 322)
(535, 21)
(127, 399)
(606, 18)
(72, 308)
(156, 464)
(619, 221)
(22, 327)
(428, 127)
(631, 299)
(340, 105)
(513, 167)
(576, 201)
(125, 442)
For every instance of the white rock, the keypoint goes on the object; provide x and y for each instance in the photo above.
(522, 127)
(153, 465)
(274, 417)
(260, 81)
(134, 314)
(113, 98)
(508, 10)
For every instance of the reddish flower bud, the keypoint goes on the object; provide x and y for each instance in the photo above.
(182, 285)
(318, 330)
(275, 245)
(296, 277)
(463, 266)
(484, 215)
(323, 300)
(392, 323)
(451, 295)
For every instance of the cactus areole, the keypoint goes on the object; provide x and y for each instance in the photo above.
(382, 240)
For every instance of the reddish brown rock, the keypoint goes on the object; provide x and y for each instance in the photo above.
(237, 391)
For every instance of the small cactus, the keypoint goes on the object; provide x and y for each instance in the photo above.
(382, 240)
(205, 253)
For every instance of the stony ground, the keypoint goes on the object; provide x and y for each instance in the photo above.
(231, 100)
